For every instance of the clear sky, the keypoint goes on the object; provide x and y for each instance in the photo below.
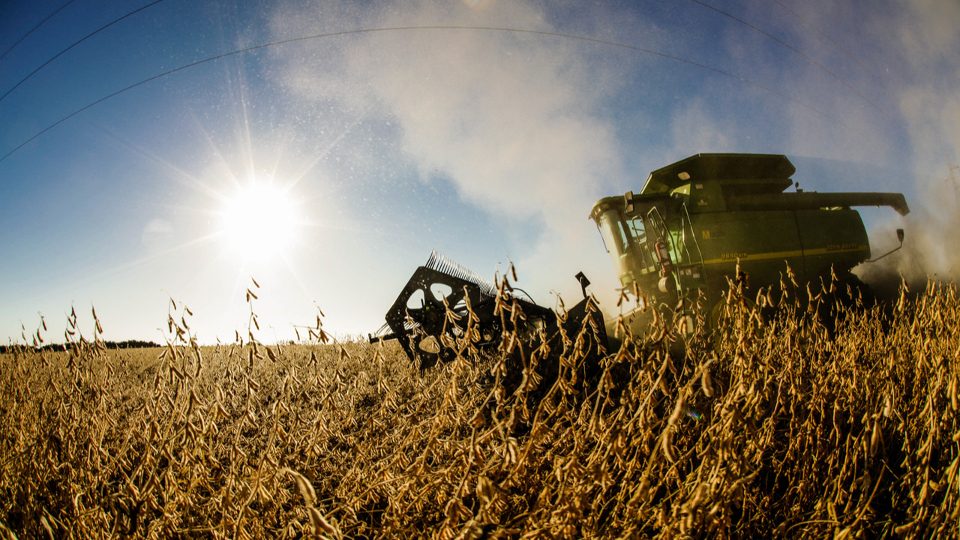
(328, 168)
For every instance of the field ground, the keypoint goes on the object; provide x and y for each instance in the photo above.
(773, 426)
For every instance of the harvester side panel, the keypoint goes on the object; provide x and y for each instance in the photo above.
(762, 242)
(833, 239)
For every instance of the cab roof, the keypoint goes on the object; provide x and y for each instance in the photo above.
(757, 173)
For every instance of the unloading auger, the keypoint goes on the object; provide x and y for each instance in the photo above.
(445, 310)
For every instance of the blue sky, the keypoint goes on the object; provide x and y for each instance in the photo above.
(487, 145)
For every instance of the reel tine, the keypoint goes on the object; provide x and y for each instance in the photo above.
(444, 265)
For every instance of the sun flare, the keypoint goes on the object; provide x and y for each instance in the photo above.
(260, 219)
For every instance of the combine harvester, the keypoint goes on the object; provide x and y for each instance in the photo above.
(695, 227)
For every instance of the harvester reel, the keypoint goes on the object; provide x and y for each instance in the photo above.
(445, 310)
(431, 314)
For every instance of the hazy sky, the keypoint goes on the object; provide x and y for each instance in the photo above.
(488, 142)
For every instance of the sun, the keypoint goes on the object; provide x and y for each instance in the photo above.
(260, 219)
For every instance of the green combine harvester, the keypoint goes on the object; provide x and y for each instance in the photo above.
(696, 226)
(699, 220)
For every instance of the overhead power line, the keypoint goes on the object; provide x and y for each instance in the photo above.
(34, 29)
(821, 35)
(810, 60)
(341, 33)
(74, 44)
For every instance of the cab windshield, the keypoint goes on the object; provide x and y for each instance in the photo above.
(626, 237)
(631, 237)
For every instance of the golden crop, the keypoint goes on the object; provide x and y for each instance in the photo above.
(774, 425)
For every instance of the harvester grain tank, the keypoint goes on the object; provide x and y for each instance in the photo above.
(696, 226)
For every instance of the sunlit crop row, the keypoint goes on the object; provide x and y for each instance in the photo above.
(779, 423)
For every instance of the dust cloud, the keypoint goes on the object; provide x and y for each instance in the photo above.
(931, 247)
(512, 120)
(929, 105)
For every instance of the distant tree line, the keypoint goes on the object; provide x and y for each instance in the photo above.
(128, 344)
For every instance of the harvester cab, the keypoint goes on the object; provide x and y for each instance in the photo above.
(652, 243)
